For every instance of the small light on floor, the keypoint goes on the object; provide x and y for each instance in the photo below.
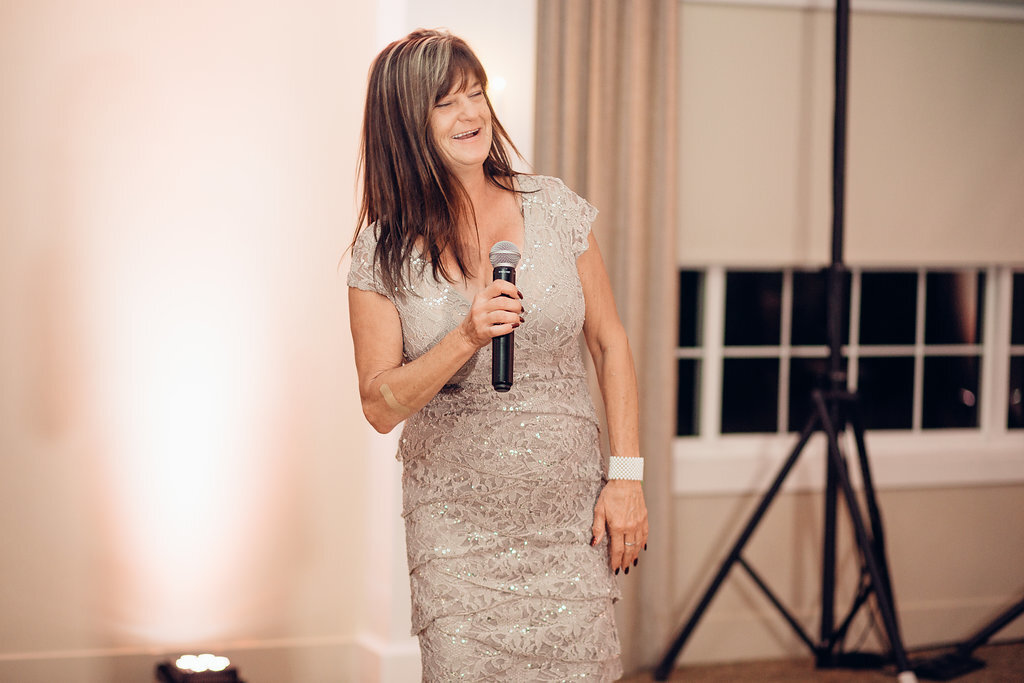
(204, 668)
(200, 663)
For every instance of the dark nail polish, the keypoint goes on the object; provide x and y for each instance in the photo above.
(627, 570)
(616, 572)
(635, 561)
(645, 546)
(592, 541)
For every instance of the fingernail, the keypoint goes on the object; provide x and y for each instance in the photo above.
(592, 541)
(645, 546)
(519, 291)
(522, 319)
(515, 325)
(616, 572)
(627, 570)
(635, 561)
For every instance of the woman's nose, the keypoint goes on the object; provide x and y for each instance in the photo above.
(465, 108)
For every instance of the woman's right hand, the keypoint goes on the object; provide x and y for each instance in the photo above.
(496, 310)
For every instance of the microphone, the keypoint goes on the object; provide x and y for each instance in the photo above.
(504, 258)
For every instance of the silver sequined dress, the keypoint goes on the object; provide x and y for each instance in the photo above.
(499, 488)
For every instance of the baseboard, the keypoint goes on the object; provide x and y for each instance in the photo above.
(378, 661)
(300, 660)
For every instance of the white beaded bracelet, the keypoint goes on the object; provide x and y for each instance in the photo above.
(626, 468)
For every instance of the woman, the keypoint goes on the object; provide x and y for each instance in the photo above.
(514, 533)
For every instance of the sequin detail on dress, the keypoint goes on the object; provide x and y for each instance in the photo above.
(499, 488)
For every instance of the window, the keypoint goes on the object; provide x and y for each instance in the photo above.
(1015, 413)
(929, 351)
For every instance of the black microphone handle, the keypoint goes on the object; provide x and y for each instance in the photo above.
(503, 347)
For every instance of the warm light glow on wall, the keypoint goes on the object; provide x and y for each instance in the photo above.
(176, 188)
(180, 429)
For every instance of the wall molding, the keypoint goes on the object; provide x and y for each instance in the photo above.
(380, 661)
(330, 659)
(1006, 10)
(748, 463)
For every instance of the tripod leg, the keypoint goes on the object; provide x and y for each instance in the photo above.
(906, 674)
(875, 517)
(982, 636)
(668, 661)
(828, 560)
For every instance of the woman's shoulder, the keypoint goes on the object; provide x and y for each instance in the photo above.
(549, 187)
(364, 271)
(534, 183)
(366, 239)
(567, 213)
(553, 190)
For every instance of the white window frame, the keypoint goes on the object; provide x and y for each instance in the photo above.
(713, 463)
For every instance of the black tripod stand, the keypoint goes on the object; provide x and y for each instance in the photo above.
(833, 411)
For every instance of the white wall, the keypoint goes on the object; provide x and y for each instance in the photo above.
(182, 448)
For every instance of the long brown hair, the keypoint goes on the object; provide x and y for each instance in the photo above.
(408, 192)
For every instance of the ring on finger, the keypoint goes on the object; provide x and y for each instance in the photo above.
(628, 543)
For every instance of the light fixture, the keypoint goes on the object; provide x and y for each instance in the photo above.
(204, 668)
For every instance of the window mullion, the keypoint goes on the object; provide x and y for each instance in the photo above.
(853, 347)
(785, 345)
(995, 354)
(919, 352)
(714, 341)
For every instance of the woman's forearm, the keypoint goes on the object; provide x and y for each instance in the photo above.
(617, 378)
(394, 394)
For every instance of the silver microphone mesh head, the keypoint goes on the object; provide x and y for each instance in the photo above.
(504, 254)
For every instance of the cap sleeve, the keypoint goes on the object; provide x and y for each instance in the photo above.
(363, 273)
(580, 215)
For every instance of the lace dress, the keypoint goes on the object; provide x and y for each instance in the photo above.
(499, 488)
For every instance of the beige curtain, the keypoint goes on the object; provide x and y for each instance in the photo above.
(606, 124)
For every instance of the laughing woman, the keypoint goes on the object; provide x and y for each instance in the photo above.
(514, 530)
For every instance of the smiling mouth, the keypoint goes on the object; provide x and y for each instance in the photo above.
(468, 134)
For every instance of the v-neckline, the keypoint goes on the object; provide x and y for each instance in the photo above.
(462, 296)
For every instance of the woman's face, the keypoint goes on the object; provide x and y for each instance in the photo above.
(461, 126)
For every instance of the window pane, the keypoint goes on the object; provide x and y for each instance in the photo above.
(690, 296)
(750, 394)
(753, 301)
(686, 399)
(954, 307)
(950, 392)
(1017, 334)
(888, 308)
(886, 389)
(1015, 419)
(810, 305)
(805, 375)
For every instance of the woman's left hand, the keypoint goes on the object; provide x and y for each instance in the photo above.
(622, 512)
